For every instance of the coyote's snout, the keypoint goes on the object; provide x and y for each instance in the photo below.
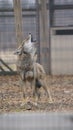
(28, 68)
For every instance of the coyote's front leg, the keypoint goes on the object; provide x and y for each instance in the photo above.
(23, 84)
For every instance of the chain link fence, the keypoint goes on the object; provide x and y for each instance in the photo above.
(7, 30)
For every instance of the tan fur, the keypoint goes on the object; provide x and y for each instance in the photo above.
(29, 70)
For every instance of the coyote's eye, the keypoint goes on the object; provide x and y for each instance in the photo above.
(17, 52)
(25, 52)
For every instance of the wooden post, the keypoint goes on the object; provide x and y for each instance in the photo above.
(18, 20)
(44, 35)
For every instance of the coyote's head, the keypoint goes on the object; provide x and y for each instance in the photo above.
(26, 47)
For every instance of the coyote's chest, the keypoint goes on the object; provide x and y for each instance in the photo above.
(24, 63)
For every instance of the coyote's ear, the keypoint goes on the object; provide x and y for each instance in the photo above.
(25, 41)
(23, 45)
(18, 50)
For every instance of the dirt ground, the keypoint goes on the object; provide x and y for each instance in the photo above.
(11, 99)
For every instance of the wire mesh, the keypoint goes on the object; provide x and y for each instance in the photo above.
(61, 37)
(7, 28)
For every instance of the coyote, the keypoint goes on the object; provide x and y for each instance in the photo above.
(29, 70)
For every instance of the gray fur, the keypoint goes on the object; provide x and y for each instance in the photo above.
(29, 69)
